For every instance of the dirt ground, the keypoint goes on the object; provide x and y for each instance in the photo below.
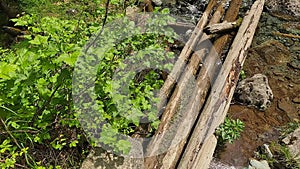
(279, 59)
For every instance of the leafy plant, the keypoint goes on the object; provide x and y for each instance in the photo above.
(36, 83)
(229, 130)
(282, 157)
(242, 75)
(123, 99)
(36, 102)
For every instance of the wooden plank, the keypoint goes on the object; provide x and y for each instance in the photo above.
(184, 56)
(174, 141)
(205, 152)
(219, 99)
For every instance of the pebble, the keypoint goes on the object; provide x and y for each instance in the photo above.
(255, 164)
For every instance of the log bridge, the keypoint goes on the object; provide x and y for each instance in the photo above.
(185, 137)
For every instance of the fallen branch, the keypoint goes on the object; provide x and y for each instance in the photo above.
(219, 99)
(286, 35)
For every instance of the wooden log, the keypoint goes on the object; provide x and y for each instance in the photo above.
(182, 121)
(218, 14)
(189, 47)
(222, 27)
(219, 99)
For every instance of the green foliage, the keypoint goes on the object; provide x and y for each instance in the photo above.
(242, 75)
(124, 99)
(36, 84)
(10, 153)
(289, 128)
(282, 157)
(36, 81)
(229, 130)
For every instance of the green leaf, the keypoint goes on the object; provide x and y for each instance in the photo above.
(39, 39)
(73, 143)
(7, 71)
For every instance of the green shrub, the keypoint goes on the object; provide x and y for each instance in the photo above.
(229, 130)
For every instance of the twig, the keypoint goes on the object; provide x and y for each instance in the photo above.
(102, 29)
(286, 35)
(47, 102)
(20, 131)
(8, 109)
(9, 133)
(19, 165)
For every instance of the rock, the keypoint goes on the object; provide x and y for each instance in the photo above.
(130, 10)
(254, 91)
(215, 164)
(293, 143)
(192, 8)
(157, 2)
(101, 159)
(273, 52)
(287, 9)
(254, 164)
(171, 2)
(267, 151)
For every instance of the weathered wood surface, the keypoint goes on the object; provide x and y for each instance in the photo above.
(168, 139)
(173, 77)
(219, 99)
(222, 27)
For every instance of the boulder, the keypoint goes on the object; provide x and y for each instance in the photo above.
(254, 91)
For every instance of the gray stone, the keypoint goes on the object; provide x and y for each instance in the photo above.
(157, 2)
(267, 150)
(293, 143)
(259, 164)
(215, 164)
(101, 159)
(192, 8)
(254, 91)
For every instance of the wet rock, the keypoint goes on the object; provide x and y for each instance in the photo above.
(254, 91)
(286, 9)
(293, 143)
(273, 52)
(254, 164)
